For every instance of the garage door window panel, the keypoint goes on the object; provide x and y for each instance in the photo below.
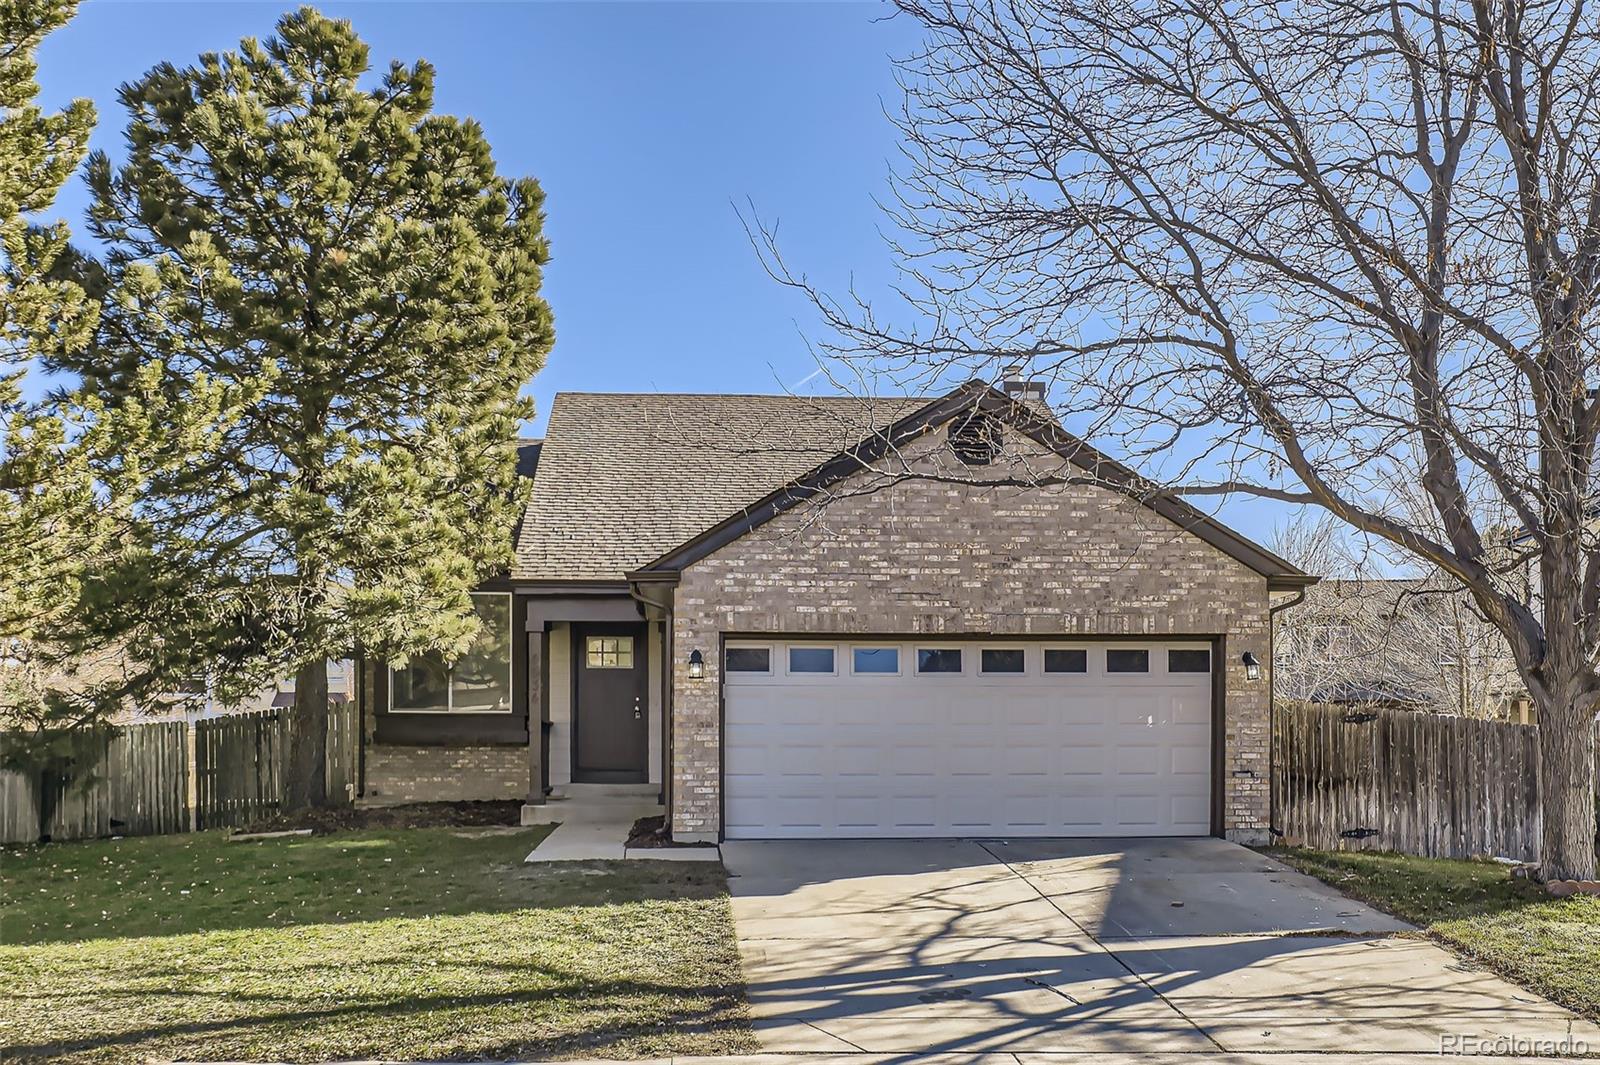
(938, 660)
(1188, 660)
(875, 661)
(1124, 660)
(812, 661)
(1002, 661)
(1066, 660)
(751, 661)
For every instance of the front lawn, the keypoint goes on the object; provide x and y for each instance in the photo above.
(1551, 946)
(420, 944)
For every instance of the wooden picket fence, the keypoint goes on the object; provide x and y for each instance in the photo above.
(140, 781)
(139, 786)
(1396, 780)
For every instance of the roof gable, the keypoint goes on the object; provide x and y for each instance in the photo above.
(1024, 418)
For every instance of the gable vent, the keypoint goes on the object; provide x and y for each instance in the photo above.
(975, 437)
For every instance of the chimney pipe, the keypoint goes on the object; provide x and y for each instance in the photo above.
(1020, 389)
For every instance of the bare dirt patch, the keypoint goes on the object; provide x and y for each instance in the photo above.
(408, 815)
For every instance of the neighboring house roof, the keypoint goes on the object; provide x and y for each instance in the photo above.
(623, 477)
(282, 699)
(1353, 694)
(652, 482)
(1414, 642)
(528, 449)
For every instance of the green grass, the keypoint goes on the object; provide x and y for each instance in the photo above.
(419, 943)
(1551, 946)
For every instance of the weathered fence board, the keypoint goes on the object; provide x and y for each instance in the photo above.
(139, 782)
(147, 780)
(342, 761)
(19, 808)
(236, 760)
(135, 783)
(1426, 784)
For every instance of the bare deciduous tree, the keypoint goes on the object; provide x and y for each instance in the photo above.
(1373, 633)
(1305, 251)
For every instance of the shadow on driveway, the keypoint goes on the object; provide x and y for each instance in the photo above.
(1135, 946)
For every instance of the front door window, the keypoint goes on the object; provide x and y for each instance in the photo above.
(608, 652)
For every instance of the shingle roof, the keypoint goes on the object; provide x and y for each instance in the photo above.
(624, 477)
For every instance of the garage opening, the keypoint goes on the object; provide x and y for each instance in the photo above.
(901, 737)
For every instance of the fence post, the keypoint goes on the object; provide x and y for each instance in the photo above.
(191, 759)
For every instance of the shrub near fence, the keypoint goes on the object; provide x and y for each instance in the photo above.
(141, 778)
(1396, 780)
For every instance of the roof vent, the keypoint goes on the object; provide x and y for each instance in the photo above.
(975, 437)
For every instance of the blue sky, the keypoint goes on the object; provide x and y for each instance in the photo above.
(645, 123)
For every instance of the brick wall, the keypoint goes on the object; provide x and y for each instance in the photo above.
(445, 774)
(888, 554)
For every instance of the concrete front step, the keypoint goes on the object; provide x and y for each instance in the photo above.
(595, 802)
(552, 813)
(605, 793)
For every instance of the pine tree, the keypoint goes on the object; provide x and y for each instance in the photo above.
(356, 263)
(48, 516)
(70, 468)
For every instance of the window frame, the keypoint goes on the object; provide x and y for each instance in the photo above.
(916, 662)
(788, 660)
(449, 708)
(1023, 672)
(899, 660)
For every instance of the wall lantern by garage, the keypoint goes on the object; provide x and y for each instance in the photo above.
(1252, 666)
(697, 665)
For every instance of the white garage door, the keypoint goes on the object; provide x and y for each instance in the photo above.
(916, 738)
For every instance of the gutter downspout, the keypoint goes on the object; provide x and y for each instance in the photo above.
(1273, 828)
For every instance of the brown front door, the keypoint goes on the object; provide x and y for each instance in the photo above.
(611, 728)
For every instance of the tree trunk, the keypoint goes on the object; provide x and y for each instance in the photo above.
(305, 779)
(1566, 780)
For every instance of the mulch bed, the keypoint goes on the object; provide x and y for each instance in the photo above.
(652, 832)
(408, 815)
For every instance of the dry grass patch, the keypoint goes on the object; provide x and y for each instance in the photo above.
(412, 944)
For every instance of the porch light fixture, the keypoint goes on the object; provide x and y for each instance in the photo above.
(697, 665)
(1252, 666)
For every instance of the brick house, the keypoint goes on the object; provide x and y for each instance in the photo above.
(789, 616)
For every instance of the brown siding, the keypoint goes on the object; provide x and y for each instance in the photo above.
(922, 556)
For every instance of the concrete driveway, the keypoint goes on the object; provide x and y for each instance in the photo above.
(1109, 946)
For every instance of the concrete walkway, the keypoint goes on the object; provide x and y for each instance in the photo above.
(1134, 947)
(599, 839)
(593, 822)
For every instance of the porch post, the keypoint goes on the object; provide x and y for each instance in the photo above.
(538, 647)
